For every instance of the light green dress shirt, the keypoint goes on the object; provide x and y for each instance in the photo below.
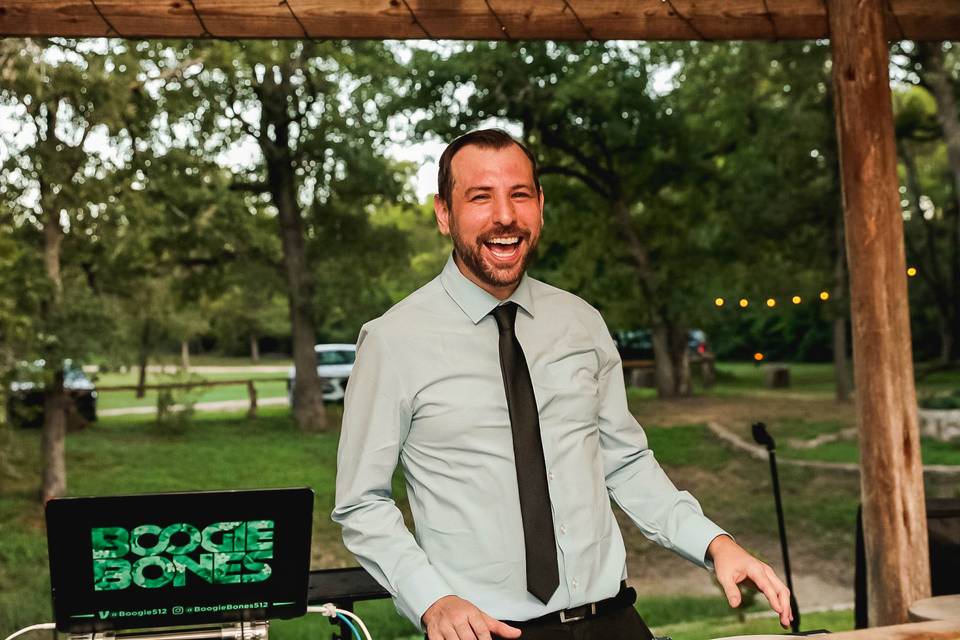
(427, 391)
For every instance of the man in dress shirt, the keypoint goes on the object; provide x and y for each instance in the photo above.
(427, 391)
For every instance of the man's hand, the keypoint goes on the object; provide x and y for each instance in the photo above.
(733, 565)
(453, 618)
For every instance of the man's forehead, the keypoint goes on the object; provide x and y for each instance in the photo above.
(474, 165)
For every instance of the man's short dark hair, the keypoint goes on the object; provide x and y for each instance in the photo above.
(485, 139)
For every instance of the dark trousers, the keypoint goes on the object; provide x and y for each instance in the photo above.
(622, 624)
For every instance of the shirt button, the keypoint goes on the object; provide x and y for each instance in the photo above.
(563, 530)
(575, 584)
(550, 475)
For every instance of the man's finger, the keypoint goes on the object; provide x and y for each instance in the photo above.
(782, 591)
(766, 587)
(464, 631)
(479, 626)
(501, 629)
(730, 590)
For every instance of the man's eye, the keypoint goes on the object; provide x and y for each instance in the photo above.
(479, 197)
(521, 194)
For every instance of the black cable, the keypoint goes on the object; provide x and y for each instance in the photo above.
(206, 32)
(586, 30)
(417, 22)
(296, 17)
(109, 24)
(687, 21)
(503, 27)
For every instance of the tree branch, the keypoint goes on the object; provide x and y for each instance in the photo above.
(583, 177)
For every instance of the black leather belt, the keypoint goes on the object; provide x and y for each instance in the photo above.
(625, 598)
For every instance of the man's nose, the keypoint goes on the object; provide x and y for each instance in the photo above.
(503, 212)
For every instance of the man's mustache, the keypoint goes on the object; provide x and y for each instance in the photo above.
(499, 232)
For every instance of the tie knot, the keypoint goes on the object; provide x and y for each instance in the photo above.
(506, 316)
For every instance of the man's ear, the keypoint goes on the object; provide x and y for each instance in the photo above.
(442, 214)
(541, 206)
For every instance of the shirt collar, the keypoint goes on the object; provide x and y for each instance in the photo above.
(474, 301)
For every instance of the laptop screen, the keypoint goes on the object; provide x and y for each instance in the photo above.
(175, 559)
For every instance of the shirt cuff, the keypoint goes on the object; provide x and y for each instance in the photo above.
(695, 536)
(418, 591)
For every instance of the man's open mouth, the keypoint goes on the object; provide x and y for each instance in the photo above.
(504, 247)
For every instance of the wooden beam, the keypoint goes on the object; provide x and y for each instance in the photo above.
(891, 479)
(463, 19)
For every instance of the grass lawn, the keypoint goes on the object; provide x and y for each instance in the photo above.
(794, 416)
(132, 454)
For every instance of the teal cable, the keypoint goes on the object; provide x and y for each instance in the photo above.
(353, 629)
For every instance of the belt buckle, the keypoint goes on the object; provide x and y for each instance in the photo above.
(565, 619)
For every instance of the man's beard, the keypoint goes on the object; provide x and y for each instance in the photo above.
(471, 258)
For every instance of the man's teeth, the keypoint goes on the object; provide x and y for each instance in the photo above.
(511, 240)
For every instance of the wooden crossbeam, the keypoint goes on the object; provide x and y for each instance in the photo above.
(463, 19)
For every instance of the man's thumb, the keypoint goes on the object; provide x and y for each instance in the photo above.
(732, 592)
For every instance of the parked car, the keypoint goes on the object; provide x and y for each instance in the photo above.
(25, 395)
(334, 364)
(637, 344)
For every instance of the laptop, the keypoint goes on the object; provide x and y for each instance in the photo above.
(178, 559)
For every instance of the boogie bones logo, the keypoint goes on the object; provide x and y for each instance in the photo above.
(151, 556)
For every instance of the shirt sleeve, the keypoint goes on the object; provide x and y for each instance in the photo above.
(634, 478)
(376, 420)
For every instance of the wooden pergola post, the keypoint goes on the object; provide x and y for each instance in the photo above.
(891, 478)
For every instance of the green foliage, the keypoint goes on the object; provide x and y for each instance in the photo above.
(942, 400)
(175, 406)
(674, 173)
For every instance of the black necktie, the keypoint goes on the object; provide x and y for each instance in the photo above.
(543, 577)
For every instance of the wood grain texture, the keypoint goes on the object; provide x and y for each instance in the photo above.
(464, 19)
(891, 479)
(938, 630)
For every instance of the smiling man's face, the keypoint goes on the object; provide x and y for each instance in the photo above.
(495, 218)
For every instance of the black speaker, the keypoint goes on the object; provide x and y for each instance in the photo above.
(943, 531)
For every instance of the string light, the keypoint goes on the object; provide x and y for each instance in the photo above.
(911, 271)
(771, 303)
(758, 356)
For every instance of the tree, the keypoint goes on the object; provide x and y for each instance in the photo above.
(315, 112)
(62, 94)
(928, 143)
(668, 179)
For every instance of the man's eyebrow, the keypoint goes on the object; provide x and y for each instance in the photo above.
(480, 188)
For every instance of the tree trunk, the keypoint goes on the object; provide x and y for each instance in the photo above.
(841, 364)
(143, 357)
(945, 329)
(671, 361)
(54, 430)
(663, 371)
(53, 439)
(308, 407)
(185, 354)
(680, 356)
(891, 478)
(254, 348)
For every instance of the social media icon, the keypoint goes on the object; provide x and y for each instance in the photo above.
(177, 610)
